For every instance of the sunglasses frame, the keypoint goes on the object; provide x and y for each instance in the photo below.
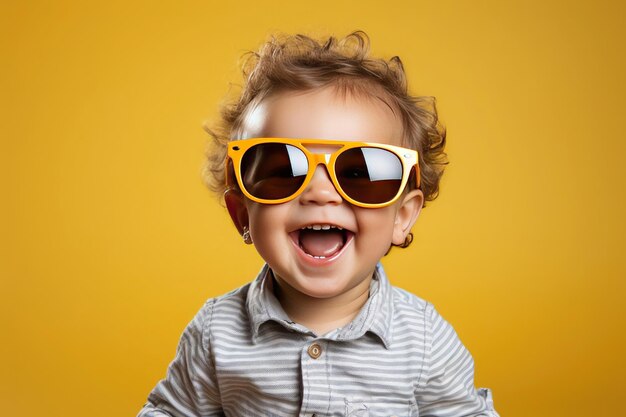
(408, 158)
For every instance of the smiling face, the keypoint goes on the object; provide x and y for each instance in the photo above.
(318, 245)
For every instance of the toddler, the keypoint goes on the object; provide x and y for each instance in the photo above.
(324, 163)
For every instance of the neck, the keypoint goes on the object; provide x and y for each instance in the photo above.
(322, 315)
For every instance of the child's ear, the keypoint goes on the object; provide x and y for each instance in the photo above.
(407, 215)
(236, 208)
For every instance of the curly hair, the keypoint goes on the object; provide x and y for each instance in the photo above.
(301, 63)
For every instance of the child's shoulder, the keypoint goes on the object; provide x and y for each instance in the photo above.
(407, 303)
(229, 306)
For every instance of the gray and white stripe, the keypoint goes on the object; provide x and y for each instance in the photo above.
(242, 356)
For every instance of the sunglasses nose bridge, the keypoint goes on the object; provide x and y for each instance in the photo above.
(320, 159)
(320, 185)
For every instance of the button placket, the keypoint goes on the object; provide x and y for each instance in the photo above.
(315, 396)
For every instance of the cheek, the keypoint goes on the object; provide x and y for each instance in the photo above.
(378, 221)
(266, 220)
(258, 218)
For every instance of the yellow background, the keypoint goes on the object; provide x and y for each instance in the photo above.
(110, 243)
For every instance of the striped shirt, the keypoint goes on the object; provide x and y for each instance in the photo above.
(242, 356)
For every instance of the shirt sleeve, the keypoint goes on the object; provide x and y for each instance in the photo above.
(447, 386)
(190, 387)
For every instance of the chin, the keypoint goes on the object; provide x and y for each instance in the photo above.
(326, 287)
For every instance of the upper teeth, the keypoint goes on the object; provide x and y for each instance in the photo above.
(322, 227)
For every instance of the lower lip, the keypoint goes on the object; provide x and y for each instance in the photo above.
(319, 262)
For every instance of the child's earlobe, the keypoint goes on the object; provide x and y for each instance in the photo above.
(237, 209)
(407, 215)
(247, 238)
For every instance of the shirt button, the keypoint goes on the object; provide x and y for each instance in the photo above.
(315, 351)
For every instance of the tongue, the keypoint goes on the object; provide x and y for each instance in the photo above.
(321, 242)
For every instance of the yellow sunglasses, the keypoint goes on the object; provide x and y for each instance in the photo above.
(277, 170)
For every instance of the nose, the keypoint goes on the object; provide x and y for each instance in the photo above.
(320, 189)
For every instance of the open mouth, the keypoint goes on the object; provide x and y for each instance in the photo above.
(321, 241)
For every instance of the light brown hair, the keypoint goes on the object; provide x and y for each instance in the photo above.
(301, 63)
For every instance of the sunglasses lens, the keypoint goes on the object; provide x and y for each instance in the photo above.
(369, 175)
(273, 171)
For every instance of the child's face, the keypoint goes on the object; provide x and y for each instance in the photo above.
(324, 264)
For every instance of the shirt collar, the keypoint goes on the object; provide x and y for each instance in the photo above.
(375, 316)
(262, 304)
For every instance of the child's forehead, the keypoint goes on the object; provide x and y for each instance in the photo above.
(323, 114)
